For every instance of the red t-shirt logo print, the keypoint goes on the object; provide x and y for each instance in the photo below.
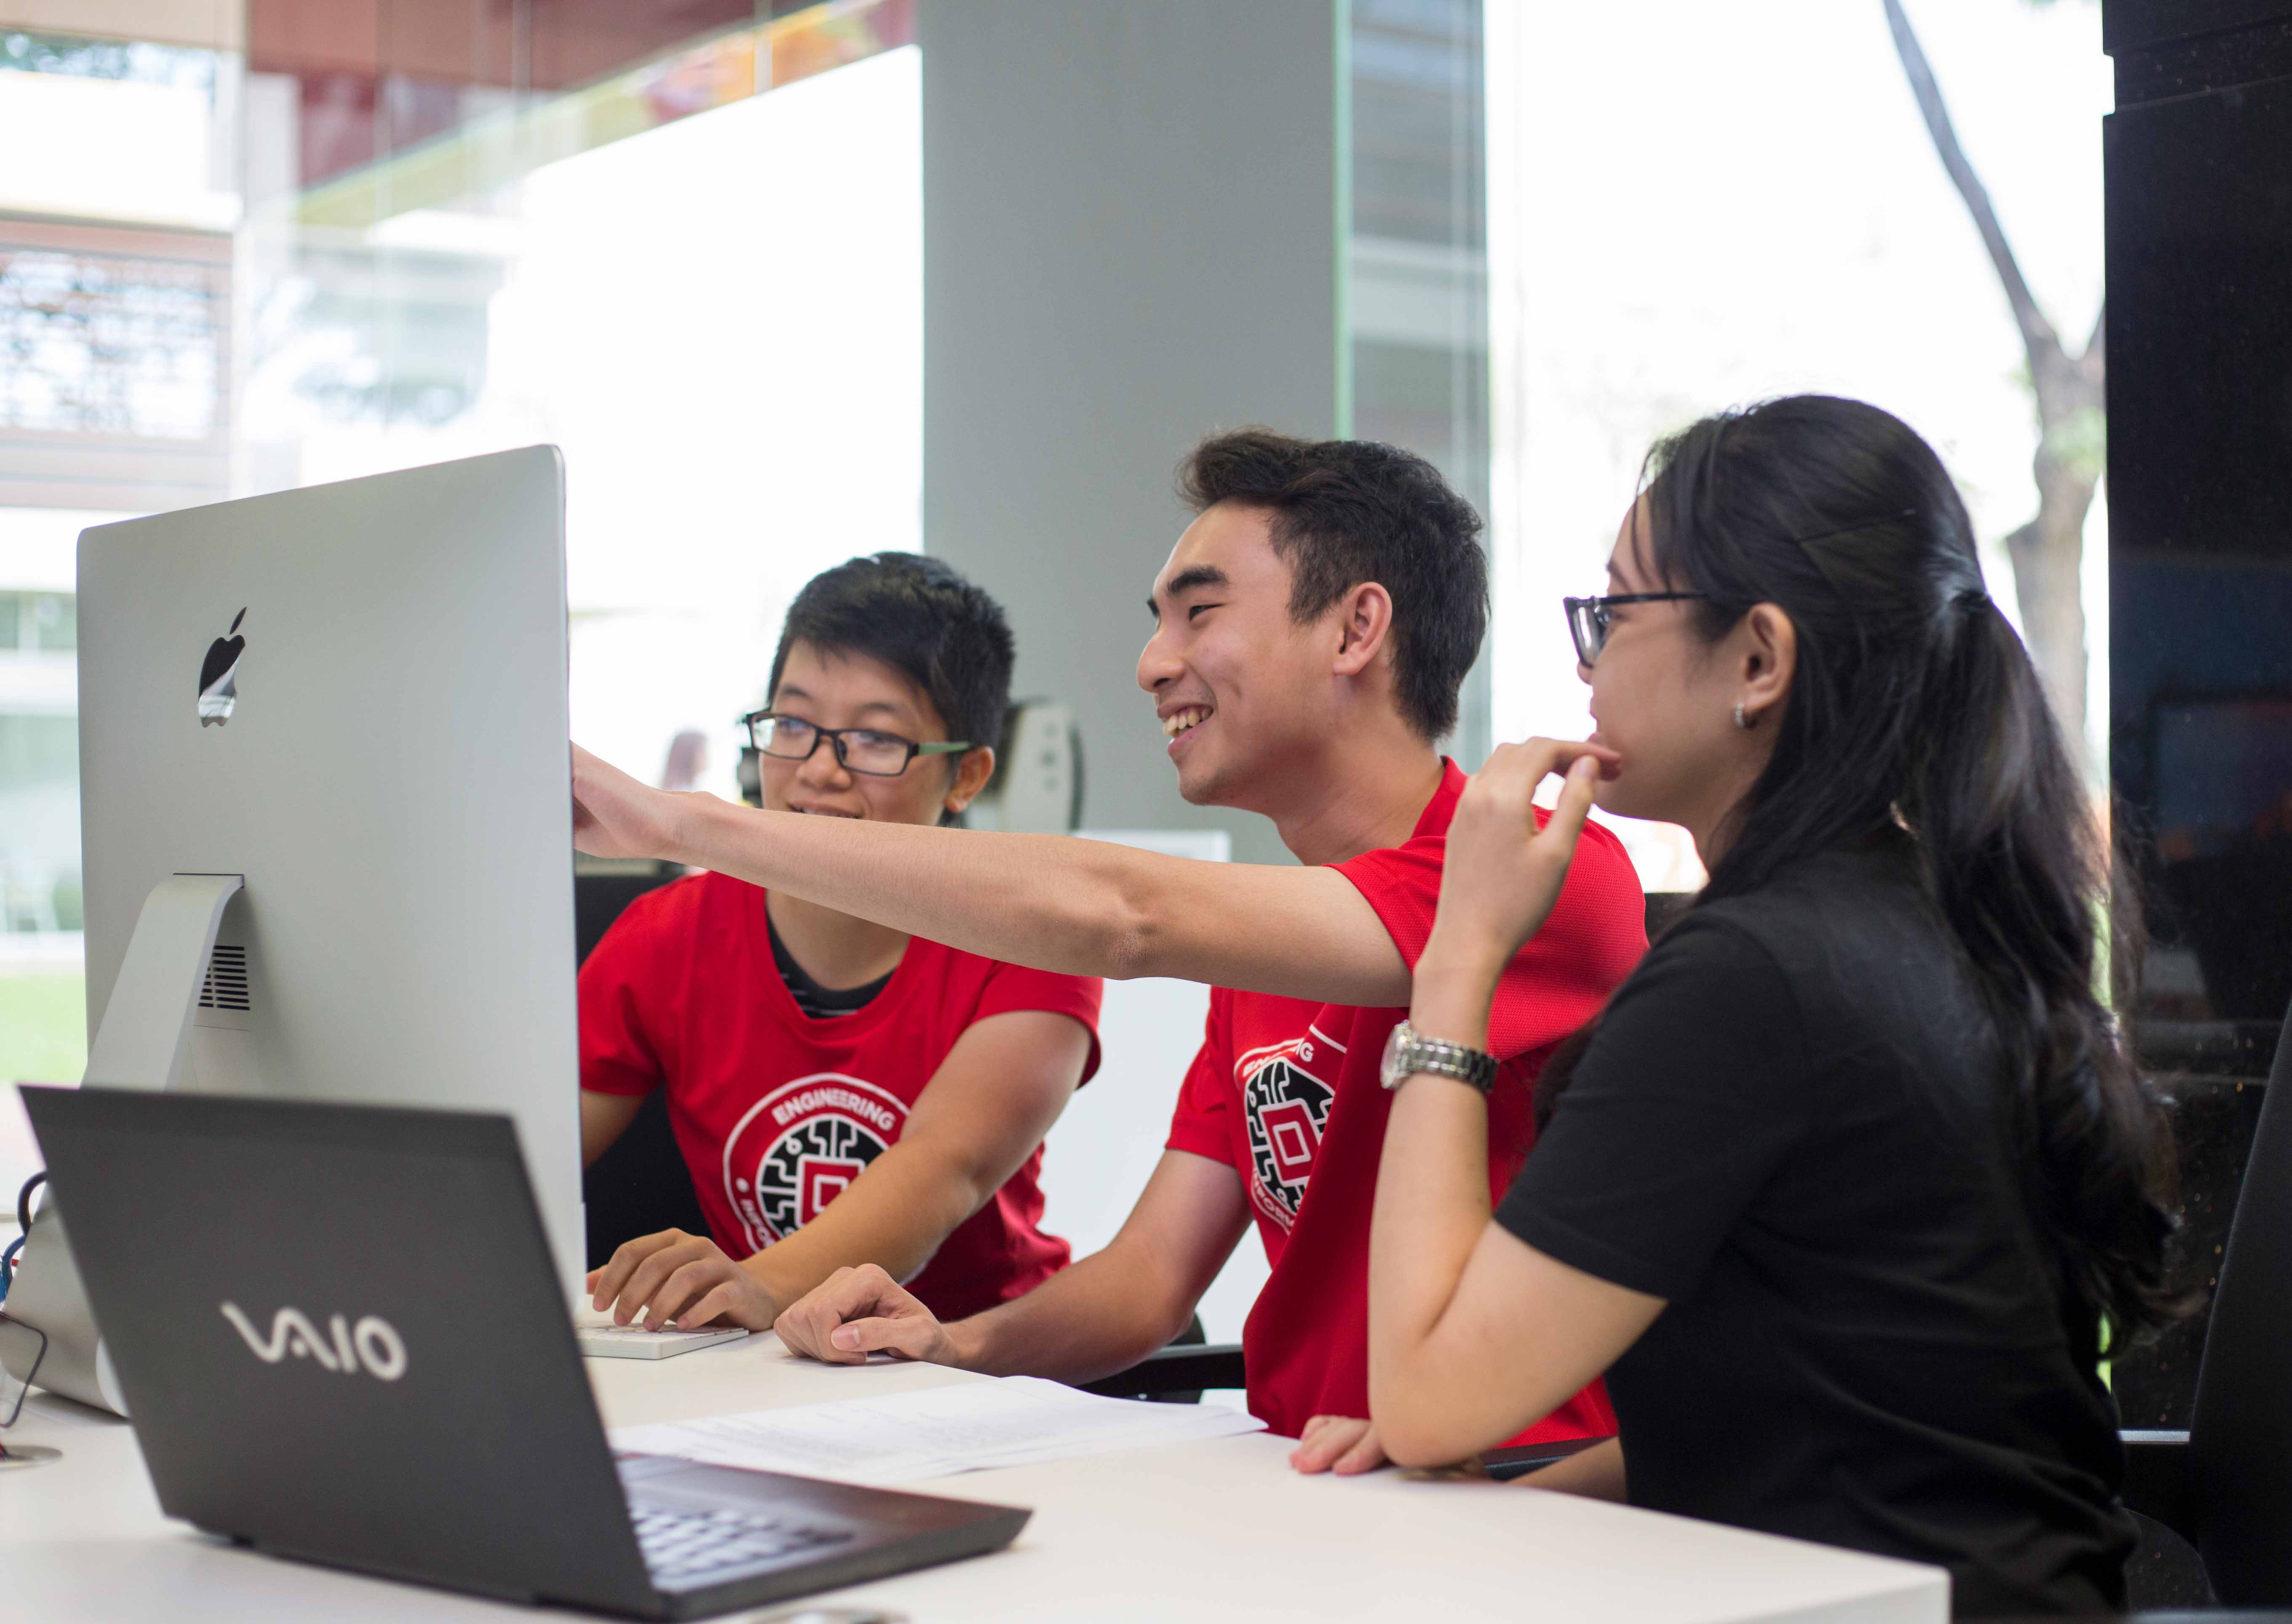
(799, 1147)
(1288, 1106)
(819, 1180)
(777, 1112)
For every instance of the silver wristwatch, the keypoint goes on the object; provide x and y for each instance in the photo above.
(1406, 1055)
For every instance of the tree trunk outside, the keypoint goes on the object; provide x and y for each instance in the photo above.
(2048, 552)
(2049, 555)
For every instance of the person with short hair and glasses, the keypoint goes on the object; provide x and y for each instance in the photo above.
(1853, 1185)
(843, 1092)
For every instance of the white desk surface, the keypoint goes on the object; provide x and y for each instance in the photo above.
(1213, 1531)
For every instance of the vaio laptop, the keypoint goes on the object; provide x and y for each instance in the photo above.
(340, 1339)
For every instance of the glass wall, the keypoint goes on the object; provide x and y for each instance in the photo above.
(350, 237)
(118, 202)
(1756, 208)
(1415, 307)
(345, 238)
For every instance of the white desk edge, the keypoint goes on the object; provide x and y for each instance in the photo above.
(1214, 1531)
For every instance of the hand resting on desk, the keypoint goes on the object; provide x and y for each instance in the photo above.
(1345, 1445)
(854, 1312)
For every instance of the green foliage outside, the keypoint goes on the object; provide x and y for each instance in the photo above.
(43, 1028)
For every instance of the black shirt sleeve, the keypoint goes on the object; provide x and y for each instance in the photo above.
(1689, 1098)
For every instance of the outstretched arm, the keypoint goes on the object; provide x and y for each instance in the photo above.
(1049, 902)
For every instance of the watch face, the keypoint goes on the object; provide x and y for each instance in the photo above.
(1389, 1070)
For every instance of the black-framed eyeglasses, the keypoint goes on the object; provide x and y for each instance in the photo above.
(1587, 617)
(859, 749)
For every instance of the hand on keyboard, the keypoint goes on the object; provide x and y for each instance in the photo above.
(687, 1278)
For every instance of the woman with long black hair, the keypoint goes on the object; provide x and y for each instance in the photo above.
(1853, 1185)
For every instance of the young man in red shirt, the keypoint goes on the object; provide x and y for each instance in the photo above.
(843, 1093)
(1312, 628)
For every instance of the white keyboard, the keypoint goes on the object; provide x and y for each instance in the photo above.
(635, 1342)
(684, 1550)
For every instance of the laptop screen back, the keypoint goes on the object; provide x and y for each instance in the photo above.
(340, 1336)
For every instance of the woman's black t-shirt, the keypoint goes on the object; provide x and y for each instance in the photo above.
(1791, 1125)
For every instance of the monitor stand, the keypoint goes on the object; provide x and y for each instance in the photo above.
(141, 1043)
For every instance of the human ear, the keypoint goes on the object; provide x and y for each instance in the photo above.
(1364, 626)
(1768, 658)
(972, 769)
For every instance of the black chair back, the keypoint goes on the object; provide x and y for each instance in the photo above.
(640, 1186)
(2240, 1431)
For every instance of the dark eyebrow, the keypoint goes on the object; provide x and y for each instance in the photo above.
(790, 690)
(1187, 579)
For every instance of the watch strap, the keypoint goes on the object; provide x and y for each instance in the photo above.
(1430, 1055)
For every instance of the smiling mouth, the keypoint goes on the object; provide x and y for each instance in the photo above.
(820, 811)
(1178, 724)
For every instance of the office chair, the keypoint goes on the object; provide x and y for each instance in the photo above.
(640, 1186)
(2225, 1484)
(602, 886)
(1176, 1374)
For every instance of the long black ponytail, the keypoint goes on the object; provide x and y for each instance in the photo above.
(1915, 707)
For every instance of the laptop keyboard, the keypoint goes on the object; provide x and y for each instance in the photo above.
(685, 1549)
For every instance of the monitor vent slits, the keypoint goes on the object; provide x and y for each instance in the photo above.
(225, 987)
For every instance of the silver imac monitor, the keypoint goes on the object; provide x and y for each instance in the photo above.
(352, 698)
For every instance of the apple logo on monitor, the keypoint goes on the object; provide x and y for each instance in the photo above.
(219, 676)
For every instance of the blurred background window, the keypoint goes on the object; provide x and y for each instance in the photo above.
(304, 240)
(300, 240)
(1695, 205)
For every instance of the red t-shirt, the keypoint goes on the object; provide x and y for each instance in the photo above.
(1288, 1091)
(776, 1111)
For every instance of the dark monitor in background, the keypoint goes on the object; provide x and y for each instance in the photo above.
(2224, 846)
